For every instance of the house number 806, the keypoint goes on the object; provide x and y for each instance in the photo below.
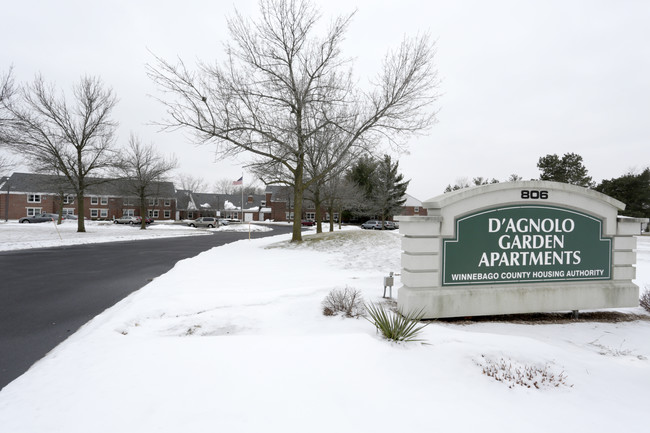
(534, 194)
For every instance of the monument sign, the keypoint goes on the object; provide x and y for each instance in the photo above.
(518, 247)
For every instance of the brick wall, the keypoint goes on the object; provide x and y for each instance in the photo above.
(113, 206)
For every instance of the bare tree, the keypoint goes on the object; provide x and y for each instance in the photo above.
(325, 165)
(6, 165)
(192, 184)
(143, 169)
(74, 139)
(340, 193)
(7, 91)
(281, 84)
(224, 186)
(227, 186)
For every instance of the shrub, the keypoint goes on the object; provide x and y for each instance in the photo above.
(645, 300)
(348, 301)
(529, 376)
(396, 326)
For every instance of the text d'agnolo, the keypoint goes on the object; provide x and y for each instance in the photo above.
(530, 242)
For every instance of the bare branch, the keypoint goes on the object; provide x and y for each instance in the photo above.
(73, 138)
(283, 94)
(143, 169)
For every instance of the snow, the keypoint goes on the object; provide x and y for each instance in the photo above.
(242, 346)
(15, 236)
(22, 236)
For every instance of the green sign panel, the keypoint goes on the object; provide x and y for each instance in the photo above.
(526, 244)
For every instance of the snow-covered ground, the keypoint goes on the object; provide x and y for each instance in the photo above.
(14, 236)
(244, 347)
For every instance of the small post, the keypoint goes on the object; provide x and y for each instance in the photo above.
(574, 314)
(7, 202)
(388, 282)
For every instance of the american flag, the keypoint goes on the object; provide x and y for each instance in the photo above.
(238, 181)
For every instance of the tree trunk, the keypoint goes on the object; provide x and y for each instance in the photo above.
(81, 227)
(60, 209)
(340, 217)
(297, 214)
(319, 212)
(330, 210)
(298, 192)
(143, 217)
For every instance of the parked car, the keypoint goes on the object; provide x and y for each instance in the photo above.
(40, 218)
(371, 225)
(209, 222)
(389, 225)
(307, 222)
(70, 217)
(223, 222)
(128, 220)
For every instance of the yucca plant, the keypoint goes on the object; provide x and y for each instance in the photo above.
(396, 326)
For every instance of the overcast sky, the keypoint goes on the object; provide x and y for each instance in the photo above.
(520, 79)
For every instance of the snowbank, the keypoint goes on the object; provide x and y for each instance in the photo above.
(244, 347)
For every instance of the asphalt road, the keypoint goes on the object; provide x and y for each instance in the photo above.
(47, 294)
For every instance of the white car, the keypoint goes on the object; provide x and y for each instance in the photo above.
(209, 222)
(128, 220)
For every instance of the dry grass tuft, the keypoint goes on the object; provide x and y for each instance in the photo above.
(513, 374)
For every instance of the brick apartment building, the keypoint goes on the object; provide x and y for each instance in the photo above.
(413, 207)
(26, 194)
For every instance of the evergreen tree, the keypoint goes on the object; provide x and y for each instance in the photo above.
(462, 183)
(633, 190)
(568, 169)
(389, 193)
(363, 174)
(381, 186)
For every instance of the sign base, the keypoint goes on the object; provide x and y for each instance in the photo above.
(467, 301)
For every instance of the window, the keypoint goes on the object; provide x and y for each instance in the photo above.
(68, 199)
(155, 213)
(416, 209)
(128, 212)
(263, 203)
(68, 211)
(168, 202)
(33, 198)
(94, 200)
(153, 202)
(129, 201)
(31, 211)
(190, 215)
(310, 215)
(104, 200)
(94, 213)
(168, 214)
(103, 213)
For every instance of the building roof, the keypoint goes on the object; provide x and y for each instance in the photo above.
(211, 201)
(412, 201)
(53, 184)
(279, 192)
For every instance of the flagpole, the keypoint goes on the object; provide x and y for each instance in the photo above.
(242, 197)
